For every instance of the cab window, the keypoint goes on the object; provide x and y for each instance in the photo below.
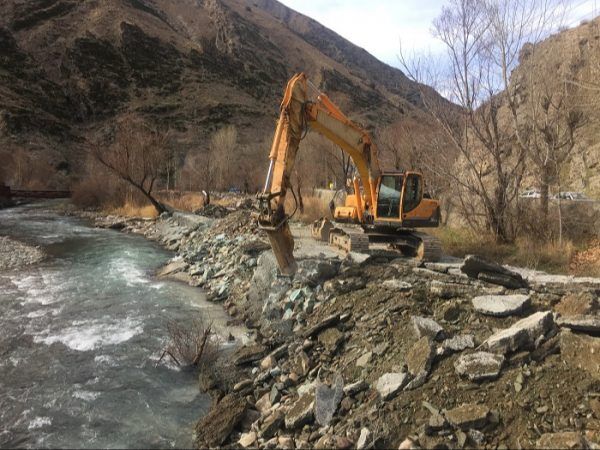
(413, 192)
(388, 200)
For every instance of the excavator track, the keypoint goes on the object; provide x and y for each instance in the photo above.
(429, 248)
(349, 240)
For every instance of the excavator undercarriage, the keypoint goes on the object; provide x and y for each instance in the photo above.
(356, 238)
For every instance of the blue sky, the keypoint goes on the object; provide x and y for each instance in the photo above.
(378, 25)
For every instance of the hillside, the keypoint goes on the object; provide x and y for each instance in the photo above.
(570, 60)
(67, 67)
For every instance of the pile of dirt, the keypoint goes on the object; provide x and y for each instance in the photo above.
(215, 211)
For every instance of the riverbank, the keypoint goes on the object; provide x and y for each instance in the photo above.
(380, 351)
(15, 254)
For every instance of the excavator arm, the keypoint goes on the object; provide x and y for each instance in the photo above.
(297, 115)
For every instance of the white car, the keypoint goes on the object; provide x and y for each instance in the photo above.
(577, 196)
(530, 193)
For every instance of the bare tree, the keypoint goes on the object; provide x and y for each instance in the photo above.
(222, 151)
(137, 154)
(483, 39)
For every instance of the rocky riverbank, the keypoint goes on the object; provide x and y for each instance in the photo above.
(378, 351)
(15, 254)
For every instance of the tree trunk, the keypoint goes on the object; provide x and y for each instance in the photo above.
(544, 196)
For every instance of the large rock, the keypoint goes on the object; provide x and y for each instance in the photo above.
(172, 268)
(301, 413)
(565, 439)
(325, 323)
(365, 440)
(330, 338)
(477, 267)
(456, 344)
(587, 324)
(522, 334)
(479, 366)
(213, 429)
(581, 351)
(327, 400)
(425, 326)
(468, 416)
(419, 359)
(389, 384)
(501, 305)
(446, 290)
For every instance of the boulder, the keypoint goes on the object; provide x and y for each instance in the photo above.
(217, 425)
(501, 305)
(389, 384)
(477, 267)
(456, 344)
(565, 439)
(468, 416)
(425, 326)
(581, 351)
(479, 366)
(522, 334)
(172, 268)
(301, 413)
(327, 401)
(584, 323)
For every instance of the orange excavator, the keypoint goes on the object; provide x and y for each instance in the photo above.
(386, 206)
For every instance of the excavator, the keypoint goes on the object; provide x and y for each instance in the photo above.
(386, 206)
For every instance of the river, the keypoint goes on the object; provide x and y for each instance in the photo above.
(80, 335)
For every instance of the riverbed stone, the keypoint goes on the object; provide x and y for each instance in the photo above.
(249, 354)
(301, 413)
(425, 326)
(217, 425)
(247, 439)
(479, 366)
(501, 305)
(327, 401)
(389, 384)
(522, 334)
(172, 268)
(468, 416)
(331, 338)
(356, 387)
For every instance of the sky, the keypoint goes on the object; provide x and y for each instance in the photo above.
(378, 26)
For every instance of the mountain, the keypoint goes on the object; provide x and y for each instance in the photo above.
(69, 66)
(569, 61)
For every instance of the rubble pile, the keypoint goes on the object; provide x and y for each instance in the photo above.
(388, 352)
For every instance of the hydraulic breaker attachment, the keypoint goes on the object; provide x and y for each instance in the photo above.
(280, 236)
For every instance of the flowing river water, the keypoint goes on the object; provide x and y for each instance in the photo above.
(80, 335)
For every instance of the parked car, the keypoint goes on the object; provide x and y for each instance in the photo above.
(576, 196)
(530, 193)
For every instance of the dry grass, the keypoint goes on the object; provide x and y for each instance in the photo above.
(183, 201)
(314, 208)
(133, 210)
(551, 256)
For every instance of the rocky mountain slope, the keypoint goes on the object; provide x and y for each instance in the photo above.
(68, 66)
(570, 60)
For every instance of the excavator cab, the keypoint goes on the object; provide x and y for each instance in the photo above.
(398, 194)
